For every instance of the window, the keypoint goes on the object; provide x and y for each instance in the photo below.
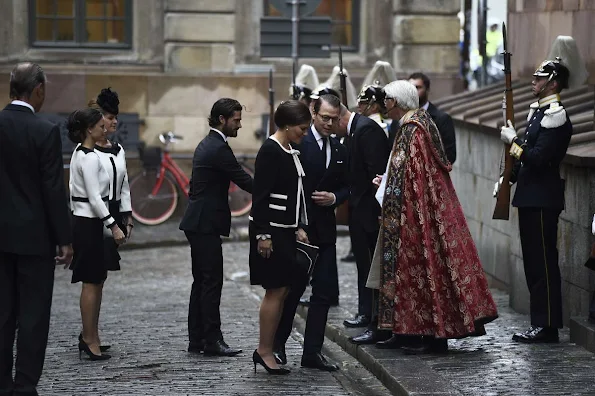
(344, 18)
(80, 23)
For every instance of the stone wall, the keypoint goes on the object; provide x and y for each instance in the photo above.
(199, 36)
(479, 150)
(187, 53)
(534, 24)
(425, 36)
(165, 102)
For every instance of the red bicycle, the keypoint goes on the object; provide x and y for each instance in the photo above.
(154, 191)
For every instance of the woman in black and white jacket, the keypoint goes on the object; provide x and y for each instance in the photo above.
(278, 208)
(89, 193)
(113, 159)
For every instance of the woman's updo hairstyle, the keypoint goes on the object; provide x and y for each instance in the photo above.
(79, 121)
(108, 101)
(291, 113)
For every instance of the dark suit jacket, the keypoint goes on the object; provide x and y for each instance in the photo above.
(34, 214)
(537, 174)
(214, 165)
(445, 128)
(368, 154)
(322, 227)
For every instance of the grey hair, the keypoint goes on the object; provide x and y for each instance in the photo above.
(404, 93)
(24, 78)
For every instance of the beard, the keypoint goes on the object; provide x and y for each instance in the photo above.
(229, 131)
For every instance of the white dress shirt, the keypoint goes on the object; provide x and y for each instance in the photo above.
(319, 139)
(21, 103)
(351, 117)
(220, 133)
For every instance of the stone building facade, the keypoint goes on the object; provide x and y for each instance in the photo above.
(182, 55)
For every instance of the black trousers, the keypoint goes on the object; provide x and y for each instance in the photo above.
(539, 231)
(26, 286)
(204, 319)
(324, 292)
(363, 244)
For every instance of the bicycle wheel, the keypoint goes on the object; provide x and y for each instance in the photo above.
(240, 201)
(152, 209)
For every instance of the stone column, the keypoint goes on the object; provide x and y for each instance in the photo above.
(425, 38)
(199, 36)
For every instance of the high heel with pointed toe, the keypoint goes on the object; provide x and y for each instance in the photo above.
(102, 348)
(83, 347)
(257, 359)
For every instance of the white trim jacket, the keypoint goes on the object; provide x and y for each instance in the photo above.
(89, 186)
(278, 195)
(113, 160)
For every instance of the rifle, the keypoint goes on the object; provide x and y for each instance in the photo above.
(271, 104)
(502, 209)
(342, 79)
(294, 91)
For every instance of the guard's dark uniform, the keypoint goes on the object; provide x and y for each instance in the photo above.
(539, 198)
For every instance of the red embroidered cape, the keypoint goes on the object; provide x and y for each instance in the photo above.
(431, 279)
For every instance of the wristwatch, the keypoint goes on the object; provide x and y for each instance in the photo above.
(263, 237)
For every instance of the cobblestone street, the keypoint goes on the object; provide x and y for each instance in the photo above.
(144, 318)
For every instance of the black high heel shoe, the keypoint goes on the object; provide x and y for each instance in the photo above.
(256, 358)
(83, 347)
(102, 348)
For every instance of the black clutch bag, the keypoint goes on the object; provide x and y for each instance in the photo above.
(306, 256)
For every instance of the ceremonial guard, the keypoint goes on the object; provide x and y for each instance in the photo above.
(370, 101)
(539, 195)
(305, 82)
(332, 86)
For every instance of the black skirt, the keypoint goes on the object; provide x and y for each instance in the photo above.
(280, 269)
(88, 263)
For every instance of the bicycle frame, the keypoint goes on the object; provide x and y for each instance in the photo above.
(168, 164)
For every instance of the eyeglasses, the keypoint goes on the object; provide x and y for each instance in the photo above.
(326, 119)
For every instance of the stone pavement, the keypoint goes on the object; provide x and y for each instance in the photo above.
(489, 365)
(144, 318)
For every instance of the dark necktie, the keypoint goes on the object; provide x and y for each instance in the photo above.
(324, 150)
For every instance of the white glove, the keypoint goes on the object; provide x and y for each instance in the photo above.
(593, 226)
(497, 187)
(508, 133)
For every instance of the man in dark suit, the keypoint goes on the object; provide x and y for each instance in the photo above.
(442, 120)
(206, 219)
(324, 160)
(34, 218)
(368, 155)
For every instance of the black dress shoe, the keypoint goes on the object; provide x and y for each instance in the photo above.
(537, 335)
(220, 348)
(280, 355)
(198, 347)
(318, 361)
(358, 321)
(304, 301)
(429, 345)
(393, 342)
(367, 337)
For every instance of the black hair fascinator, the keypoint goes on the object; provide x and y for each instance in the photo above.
(108, 101)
